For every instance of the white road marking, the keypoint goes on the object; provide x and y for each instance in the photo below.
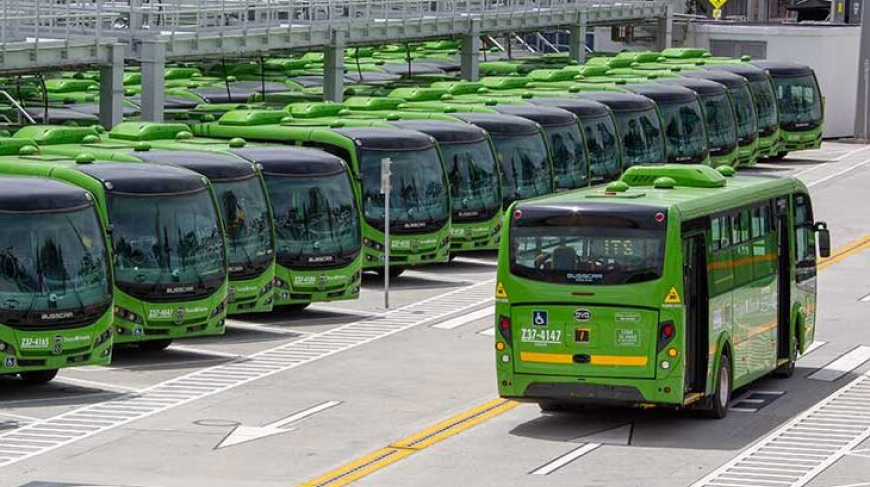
(840, 173)
(465, 319)
(431, 276)
(87, 421)
(836, 159)
(843, 365)
(243, 434)
(470, 260)
(813, 347)
(92, 383)
(488, 332)
(7, 414)
(866, 299)
(201, 351)
(264, 328)
(565, 459)
(344, 311)
(823, 435)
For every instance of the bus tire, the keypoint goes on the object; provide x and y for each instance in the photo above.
(551, 406)
(37, 377)
(786, 370)
(717, 404)
(294, 308)
(155, 345)
(779, 156)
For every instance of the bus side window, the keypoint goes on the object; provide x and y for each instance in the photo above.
(742, 250)
(720, 272)
(805, 238)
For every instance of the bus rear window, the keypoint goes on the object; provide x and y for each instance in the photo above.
(588, 249)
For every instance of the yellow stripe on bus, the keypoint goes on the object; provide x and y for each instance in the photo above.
(564, 358)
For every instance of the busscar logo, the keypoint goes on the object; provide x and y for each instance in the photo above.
(320, 259)
(582, 314)
(61, 315)
(179, 289)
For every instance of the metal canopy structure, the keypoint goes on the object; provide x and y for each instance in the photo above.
(58, 34)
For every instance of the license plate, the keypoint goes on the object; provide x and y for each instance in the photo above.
(541, 336)
(581, 335)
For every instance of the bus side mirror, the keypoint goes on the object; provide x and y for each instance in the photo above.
(109, 229)
(824, 239)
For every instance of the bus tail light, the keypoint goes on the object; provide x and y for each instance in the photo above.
(504, 328)
(667, 331)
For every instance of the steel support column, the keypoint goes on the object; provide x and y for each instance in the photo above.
(862, 112)
(333, 68)
(112, 88)
(665, 35)
(470, 55)
(578, 39)
(153, 86)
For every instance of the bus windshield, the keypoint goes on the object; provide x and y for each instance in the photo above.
(747, 122)
(54, 268)
(799, 105)
(765, 104)
(641, 137)
(419, 201)
(684, 128)
(569, 156)
(474, 182)
(245, 212)
(167, 247)
(316, 220)
(525, 168)
(604, 156)
(587, 248)
(721, 125)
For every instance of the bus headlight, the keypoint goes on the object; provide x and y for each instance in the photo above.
(7, 348)
(280, 283)
(373, 244)
(128, 315)
(218, 309)
(103, 337)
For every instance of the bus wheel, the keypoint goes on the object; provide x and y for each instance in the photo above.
(551, 406)
(786, 370)
(717, 404)
(778, 157)
(37, 377)
(155, 345)
(294, 308)
(394, 271)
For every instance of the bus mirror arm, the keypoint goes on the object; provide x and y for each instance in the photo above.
(824, 239)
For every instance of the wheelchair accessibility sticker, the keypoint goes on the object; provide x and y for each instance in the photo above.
(539, 318)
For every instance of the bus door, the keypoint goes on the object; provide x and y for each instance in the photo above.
(697, 322)
(783, 272)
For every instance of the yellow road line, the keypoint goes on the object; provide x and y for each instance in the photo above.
(848, 250)
(398, 450)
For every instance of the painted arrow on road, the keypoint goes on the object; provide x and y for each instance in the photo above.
(243, 434)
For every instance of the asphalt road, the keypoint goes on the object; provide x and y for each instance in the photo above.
(352, 393)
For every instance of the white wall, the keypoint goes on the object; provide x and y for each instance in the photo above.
(831, 51)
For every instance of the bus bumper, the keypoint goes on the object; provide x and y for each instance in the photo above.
(795, 141)
(25, 351)
(475, 236)
(252, 295)
(567, 389)
(302, 287)
(408, 250)
(768, 146)
(748, 156)
(138, 321)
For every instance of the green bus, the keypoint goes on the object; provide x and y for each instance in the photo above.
(167, 238)
(744, 109)
(237, 185)
(719, 117)
(317, 224)
(761, 86)
(56, 280)
(682, 121)
(799, 100)
(639, 125)
(600, 132)
(671, 287)
(420, 200)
